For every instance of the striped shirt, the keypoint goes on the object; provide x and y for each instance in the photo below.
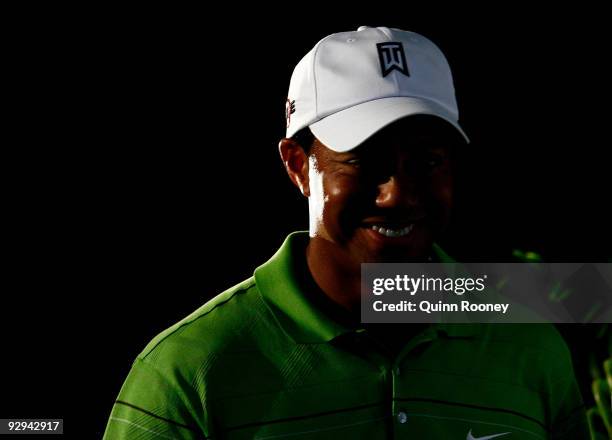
(262, 361)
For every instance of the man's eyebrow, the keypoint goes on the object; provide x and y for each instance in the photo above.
(438, 145)
(351, 153)
(367, 147)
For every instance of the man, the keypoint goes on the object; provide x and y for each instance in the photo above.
(372, 126)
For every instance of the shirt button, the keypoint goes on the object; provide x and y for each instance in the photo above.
(402, 417)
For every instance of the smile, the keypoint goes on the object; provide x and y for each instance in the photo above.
(388, 232)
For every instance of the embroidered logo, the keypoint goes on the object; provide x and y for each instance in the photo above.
(289, 110)
(486, 437)
(392, 57)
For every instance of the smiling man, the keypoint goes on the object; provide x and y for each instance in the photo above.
(372, 129)
(383, 201)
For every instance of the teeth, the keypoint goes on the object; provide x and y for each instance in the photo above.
(388, 232)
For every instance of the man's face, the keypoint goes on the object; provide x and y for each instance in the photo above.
(388, 199)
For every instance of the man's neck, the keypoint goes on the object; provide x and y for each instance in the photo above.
(337, 277)
(338, 282)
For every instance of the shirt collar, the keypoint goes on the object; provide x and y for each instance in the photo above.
(278, 282)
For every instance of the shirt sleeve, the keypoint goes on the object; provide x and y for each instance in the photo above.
(570, 420)
(152, 406)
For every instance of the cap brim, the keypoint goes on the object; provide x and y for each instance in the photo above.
(347, 129)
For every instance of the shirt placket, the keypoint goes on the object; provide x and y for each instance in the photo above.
(400, 414)
(391, 370)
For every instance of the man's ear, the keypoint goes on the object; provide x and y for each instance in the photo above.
(296, 164)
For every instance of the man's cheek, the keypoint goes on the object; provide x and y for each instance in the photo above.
(344, 215)
(439, 211)
(441, 195)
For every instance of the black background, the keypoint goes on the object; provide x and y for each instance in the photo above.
(141, 176)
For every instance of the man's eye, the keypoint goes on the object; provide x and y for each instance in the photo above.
(353, 161)
(433, 161)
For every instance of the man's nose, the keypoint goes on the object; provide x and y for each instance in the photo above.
(398, 191)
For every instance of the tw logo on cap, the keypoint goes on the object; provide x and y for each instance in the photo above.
(289, 110)
(392, 57)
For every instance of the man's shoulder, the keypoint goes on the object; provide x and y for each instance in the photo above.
(228, 321)
(542, 341)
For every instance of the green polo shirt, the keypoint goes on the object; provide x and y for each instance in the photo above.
(262, 361)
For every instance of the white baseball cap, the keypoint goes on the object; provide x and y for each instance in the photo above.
(353, 84)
